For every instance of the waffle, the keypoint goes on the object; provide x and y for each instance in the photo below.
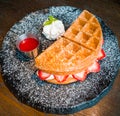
(76, 50)
(86, 31)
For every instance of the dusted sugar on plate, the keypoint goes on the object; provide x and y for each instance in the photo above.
(53, 28)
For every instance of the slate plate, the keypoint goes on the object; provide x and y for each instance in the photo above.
(19, 72)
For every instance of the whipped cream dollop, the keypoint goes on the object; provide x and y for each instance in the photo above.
(53, 28)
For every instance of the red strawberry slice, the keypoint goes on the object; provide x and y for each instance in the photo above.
(42, 75)
(80, 76)
(60, 78)
(95, 67)
(101, 55)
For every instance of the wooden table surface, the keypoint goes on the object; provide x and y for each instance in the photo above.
(12, 11)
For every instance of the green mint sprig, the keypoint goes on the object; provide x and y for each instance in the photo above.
(49, 20)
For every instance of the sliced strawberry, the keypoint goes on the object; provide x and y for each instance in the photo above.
(60, 78)
(81, 76)
(42, 75)
(102, 41)
(101, 55)
(95, 67)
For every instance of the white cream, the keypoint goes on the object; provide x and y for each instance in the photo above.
(50, 77)
(53, 30)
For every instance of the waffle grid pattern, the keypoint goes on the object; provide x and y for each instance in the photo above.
(85, 30)
(75, 48)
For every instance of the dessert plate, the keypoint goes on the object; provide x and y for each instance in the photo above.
(19, 71)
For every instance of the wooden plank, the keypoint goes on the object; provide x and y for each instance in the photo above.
(13, 105)
(1, 80)
(7, 103)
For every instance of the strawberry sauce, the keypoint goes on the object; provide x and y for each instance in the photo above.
(28, 44)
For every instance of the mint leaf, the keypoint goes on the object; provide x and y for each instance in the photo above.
(47, 23)
(52, 18)
(49, 20)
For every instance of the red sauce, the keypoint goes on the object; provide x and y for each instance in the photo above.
(28, 44)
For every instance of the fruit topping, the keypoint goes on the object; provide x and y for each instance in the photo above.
(95, 67)
(101, 55)
(102, 41)
(60, 78)
(80, 76)
(42, 75)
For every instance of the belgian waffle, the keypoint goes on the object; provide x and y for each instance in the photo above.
(76, 50)
(86, 31)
